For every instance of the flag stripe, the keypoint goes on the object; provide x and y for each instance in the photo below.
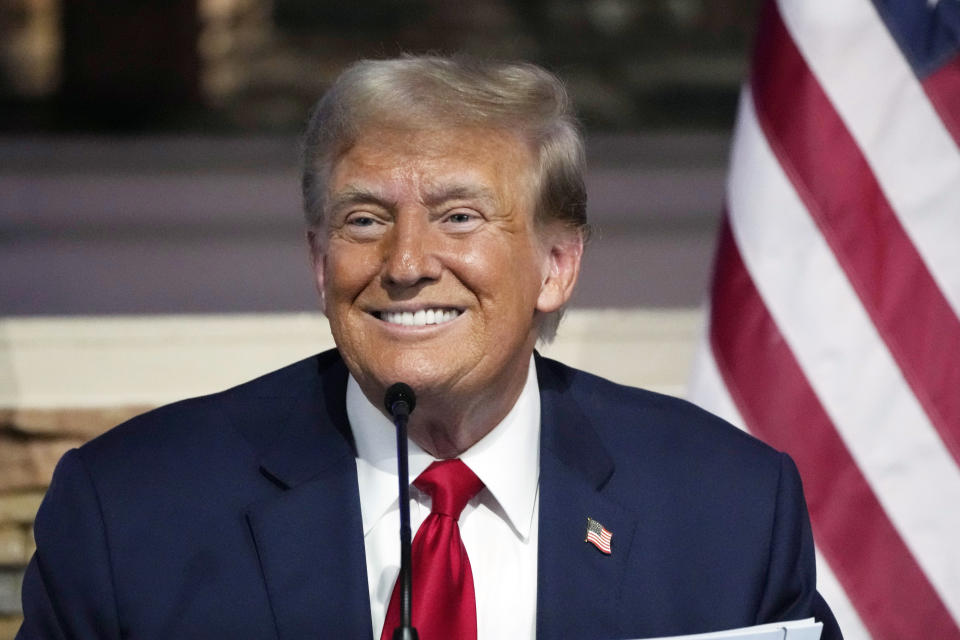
(849, 367)
(883, 105)
(829, 587)
(828, 170)
(943, 89)
(853, 531)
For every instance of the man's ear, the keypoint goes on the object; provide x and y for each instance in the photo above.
(564, 251)
(317, 261)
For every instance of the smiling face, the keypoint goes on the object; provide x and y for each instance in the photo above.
(432, 269)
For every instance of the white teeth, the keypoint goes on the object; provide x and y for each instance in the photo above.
(419, 318)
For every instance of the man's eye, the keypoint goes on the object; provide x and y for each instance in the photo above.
(362, 226)
(465, 217)
(461, 221)
(361, 221)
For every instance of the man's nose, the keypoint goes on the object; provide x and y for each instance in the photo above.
(410, 257)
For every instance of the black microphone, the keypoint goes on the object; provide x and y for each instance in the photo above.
(400, 401)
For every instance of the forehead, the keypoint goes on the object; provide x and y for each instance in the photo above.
(462, 158)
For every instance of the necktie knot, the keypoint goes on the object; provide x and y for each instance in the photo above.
(450, 484)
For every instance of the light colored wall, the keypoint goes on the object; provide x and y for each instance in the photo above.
(110, 361)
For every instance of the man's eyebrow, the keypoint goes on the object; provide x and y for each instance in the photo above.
(357, 195)
(445, 193)
(354, 195)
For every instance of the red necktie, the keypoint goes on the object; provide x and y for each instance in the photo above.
(444, 603)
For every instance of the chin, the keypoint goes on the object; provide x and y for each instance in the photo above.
(421, 370)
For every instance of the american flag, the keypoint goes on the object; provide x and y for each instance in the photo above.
(598, 535)
(834, 320)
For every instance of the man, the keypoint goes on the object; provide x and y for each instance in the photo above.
(446, 215)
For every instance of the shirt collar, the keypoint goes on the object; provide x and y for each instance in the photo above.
(507, 459)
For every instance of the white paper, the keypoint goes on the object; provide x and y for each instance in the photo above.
(792, 630)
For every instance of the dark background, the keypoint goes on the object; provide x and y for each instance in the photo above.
(148, 148)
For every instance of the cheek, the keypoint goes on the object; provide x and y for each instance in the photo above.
(503, 271)
(347, 272)
(479, 264)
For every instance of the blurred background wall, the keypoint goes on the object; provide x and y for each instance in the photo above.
(148, 165)
(148, 148)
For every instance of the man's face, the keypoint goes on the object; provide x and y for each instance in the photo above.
(430, 265)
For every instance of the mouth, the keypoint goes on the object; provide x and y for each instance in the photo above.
(420, 317)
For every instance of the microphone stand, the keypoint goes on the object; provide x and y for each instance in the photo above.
(400, 403)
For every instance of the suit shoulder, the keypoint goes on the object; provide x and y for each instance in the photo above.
(250, 409)
(630, 417)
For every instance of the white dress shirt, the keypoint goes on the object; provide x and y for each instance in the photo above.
(498, 526)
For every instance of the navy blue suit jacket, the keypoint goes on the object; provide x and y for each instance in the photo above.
(237, 515)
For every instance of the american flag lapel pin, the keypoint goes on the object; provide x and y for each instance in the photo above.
(598, 536)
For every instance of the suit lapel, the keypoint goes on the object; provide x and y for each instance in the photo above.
(578, 587)
(309, 537)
